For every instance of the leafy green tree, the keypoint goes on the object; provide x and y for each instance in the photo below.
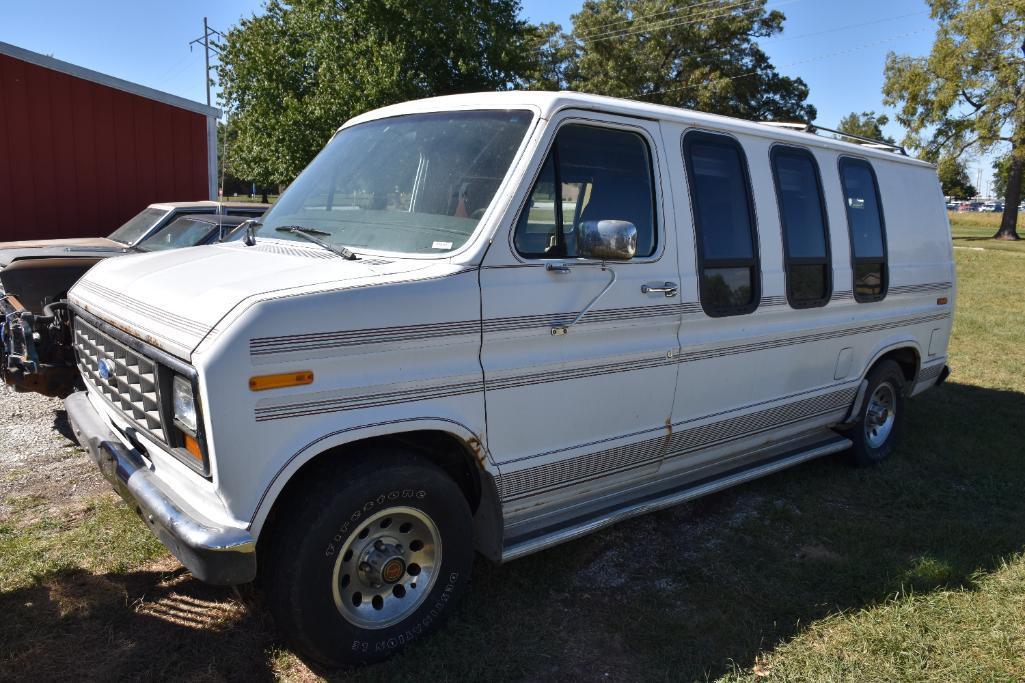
(293, 74)
(699, 54)
(954, 179)
(552, 61)
(1001, 174)
(867, 124)
(969, 92)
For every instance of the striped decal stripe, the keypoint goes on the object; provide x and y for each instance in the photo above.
(376, 399)
(548, 376)
(773, 301)
(371, 400)
(807, 338)
(327, 340)
(551, 476)
(931, 372)
(598, 316)
(920, 288)
(261, 346)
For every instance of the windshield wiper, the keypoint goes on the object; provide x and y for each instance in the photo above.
(311, 235)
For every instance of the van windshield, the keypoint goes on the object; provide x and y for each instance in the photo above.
(418, 183)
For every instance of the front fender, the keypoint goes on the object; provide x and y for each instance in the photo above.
(487, 521)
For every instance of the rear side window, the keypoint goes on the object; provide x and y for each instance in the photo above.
(720, 192)
(868, 229)
(802, 214)
(591, 174)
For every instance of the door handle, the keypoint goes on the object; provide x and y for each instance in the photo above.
(667, 288)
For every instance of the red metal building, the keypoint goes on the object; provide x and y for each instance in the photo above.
(81, 152)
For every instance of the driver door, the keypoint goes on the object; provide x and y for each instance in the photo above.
(576, 408)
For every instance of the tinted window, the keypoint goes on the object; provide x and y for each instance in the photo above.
(720, 192)
(803, 219)
(591, 174)
(867, 229)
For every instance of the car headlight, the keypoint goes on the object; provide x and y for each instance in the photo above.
(184, 402)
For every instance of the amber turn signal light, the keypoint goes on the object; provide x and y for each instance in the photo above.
(285, 379)
(192, 446)
(942, 301)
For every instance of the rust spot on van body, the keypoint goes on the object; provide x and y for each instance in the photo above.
(478, 450)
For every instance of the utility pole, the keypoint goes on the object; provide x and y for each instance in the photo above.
(208, 47)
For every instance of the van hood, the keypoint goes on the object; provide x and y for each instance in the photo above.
(174, 299)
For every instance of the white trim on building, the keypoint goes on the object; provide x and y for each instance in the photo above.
(103, 79)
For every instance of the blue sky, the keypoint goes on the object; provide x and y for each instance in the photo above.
(827, 43)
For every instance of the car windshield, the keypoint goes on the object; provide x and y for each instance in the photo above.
(137, 226)
(181, 232)
(410, 184)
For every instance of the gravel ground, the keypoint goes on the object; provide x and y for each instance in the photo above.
(42, 468)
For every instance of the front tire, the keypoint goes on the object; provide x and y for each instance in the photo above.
(370, 559)
(877, 432)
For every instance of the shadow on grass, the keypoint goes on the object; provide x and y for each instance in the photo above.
(684, 594)
(137, 625)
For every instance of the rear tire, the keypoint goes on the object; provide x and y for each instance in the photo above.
(877, 432)
(368, 559)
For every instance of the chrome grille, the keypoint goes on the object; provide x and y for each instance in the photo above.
(131, 385)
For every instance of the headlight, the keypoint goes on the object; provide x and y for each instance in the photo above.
(184, 402)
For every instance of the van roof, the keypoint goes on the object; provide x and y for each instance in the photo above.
(547, 104)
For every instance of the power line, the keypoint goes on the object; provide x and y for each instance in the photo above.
(783, 39)
(815, 58)
(672, 22)
(686, 21)
(628, 20)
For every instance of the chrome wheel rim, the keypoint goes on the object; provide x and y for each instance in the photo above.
(880, 415)
(386, 568)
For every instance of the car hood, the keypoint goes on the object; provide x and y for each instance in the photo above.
(175, 299)
(92, 246)
(72, 242)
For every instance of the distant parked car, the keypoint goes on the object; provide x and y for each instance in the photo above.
(143, 225)
(35, 276)
(992, 207)
(193, 231)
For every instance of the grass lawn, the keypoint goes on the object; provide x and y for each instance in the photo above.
(976, 230)
(909, 571)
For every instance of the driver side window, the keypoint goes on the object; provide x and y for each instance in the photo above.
(591, 174)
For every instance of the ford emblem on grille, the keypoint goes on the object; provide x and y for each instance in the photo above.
(106, 369)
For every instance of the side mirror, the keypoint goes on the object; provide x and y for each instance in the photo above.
(607, 240)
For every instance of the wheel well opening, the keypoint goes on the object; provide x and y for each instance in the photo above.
(448, 452)
(907, 359)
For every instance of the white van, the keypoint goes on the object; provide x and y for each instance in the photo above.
(498, 322)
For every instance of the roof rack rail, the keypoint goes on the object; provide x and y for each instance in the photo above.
(871, 143)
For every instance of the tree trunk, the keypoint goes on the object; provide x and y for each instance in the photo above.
(1008, 224)
(263, 198)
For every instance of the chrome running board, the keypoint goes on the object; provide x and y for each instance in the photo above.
(546, 538)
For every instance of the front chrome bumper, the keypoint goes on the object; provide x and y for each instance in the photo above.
(214, 554)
